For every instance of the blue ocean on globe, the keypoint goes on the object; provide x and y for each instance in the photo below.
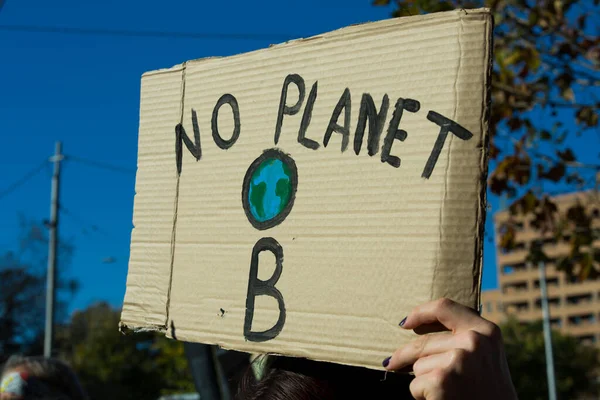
(270, 189)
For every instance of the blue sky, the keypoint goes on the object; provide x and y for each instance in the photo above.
(84, 90)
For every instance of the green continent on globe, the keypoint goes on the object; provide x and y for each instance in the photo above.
(284, 186)
(257, 197)
(283, 190)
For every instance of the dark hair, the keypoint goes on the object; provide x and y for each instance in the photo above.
(300, 379)
(57, 378)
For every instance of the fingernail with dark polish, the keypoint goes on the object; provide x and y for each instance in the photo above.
(403, 321)
(386, 362)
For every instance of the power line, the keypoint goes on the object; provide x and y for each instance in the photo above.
(147, 34)
(48, 171)
(98, 164)
(23, 180)
(86, 225)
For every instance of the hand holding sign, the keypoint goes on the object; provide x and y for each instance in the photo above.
(466, 363)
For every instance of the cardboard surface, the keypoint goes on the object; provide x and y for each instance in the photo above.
(360, 239)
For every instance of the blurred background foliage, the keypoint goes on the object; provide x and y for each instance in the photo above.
(111, 364)
(576, 365)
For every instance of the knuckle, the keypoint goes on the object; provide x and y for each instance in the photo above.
(443, 303)
(415, 389)
(493, 331)
(458, 357)
(417, 366)
(472, 340)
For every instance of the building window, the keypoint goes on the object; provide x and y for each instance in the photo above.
(587, 339)
(488, 307)
(556, 322)
(579, 299)
(508, 269)
(521, 306)
(515, 287)
(519, 246)
(552, 301)
(499, 306)
(581, 319)
(550, 282)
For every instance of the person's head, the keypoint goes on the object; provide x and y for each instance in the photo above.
(25, 378)
(286, 378)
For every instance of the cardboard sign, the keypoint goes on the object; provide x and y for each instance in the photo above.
(302, 199)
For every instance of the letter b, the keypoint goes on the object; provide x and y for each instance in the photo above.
(257, 287)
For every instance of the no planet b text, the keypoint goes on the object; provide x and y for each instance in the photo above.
(367, 114)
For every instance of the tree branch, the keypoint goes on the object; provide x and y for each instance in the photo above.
(528, 96)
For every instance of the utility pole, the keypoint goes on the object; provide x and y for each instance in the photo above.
(52, 249)
(547, 334)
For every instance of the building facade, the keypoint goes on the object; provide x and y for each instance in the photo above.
(574, 306)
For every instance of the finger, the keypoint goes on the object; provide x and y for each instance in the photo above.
(452, 315)
(427, 364)
(421, 347)
(426, 387)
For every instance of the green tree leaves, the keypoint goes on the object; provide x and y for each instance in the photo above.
(575, 364)
(115, 366)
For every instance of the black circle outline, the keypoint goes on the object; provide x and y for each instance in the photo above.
(289, 161)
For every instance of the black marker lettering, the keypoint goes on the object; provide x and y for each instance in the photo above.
(181, 136)
(376, 122)
(284, 109)
(446, 125)
(395, 133)
(310, 102)
(222, 143)
(345, 103)
(257, 287)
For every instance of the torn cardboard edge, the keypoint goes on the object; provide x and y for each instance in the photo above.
(481, 210)
(331, 35)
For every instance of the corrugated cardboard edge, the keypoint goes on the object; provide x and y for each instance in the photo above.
(331, 35)
(445, 266)
(132, 314)
(483, 205)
